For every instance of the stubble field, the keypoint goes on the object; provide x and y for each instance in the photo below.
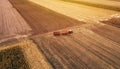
(31, 44)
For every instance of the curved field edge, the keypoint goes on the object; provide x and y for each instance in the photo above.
(99, 5)
(23, 55)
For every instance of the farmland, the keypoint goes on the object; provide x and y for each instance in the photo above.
(27, 40)
(78, 50)
(18, 26)
(105, 4)
(88, 14)
(21, 56)
(43, 20)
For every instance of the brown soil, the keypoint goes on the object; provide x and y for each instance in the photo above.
(89, 47)
(41, 19)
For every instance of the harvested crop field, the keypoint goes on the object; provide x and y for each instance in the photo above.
(22, 55)
(105, 4)
(41, 19)
(27, 39)
(76, 51)
(81, 12)
(11, 22)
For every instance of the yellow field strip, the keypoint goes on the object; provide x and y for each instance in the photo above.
(76, 11)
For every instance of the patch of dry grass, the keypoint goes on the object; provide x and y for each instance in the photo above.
(23, 55)
(13, 58)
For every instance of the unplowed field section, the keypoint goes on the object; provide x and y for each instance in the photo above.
(41, 19)
(11, 22)
(89, 47)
